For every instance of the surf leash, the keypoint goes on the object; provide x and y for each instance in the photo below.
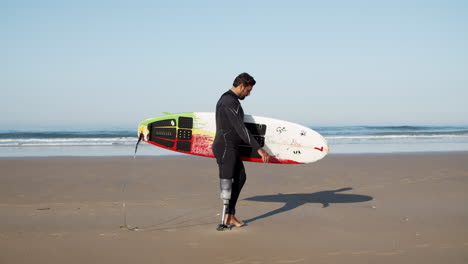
(125, 226)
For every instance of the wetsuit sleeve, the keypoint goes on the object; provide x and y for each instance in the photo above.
(232, 113)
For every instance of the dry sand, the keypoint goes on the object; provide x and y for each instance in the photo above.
(408, 208)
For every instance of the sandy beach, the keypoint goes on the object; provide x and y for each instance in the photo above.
(387, 208)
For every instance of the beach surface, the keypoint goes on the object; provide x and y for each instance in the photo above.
(385, 208)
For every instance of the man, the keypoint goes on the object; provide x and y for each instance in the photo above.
(230, 134)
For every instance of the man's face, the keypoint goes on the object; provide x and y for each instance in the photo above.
(245, 91)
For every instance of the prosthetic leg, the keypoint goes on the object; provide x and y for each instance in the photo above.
(226, 189)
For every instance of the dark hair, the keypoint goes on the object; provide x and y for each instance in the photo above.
(245, 79)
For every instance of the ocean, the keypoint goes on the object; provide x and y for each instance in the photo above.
(342, 140)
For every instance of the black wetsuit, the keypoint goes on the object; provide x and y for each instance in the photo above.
(230, 134)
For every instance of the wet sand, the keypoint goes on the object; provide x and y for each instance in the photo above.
(388, 208)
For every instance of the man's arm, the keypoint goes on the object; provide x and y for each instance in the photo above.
(232, 112)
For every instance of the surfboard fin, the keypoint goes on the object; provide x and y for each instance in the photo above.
(138, 142)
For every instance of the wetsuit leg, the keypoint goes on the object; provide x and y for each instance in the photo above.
(227, 165)
(238, 182)
(230, 167)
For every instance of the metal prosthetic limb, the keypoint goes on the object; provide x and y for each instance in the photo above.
(226, 189)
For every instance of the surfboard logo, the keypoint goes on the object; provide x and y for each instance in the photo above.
(319, 149)
(280, 130)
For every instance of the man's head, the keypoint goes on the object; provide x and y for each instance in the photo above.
(242, 85)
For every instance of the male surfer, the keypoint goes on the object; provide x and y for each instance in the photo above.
(230, 134)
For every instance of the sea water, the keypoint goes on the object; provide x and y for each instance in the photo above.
(341, 139)
(395, 139)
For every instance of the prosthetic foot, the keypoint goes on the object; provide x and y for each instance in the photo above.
(226, 189)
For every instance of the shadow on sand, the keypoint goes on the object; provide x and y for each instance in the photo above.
(295, 200)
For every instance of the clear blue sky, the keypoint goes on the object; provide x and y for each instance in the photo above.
(115, 63)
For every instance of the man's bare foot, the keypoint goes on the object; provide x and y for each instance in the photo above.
(232, 220)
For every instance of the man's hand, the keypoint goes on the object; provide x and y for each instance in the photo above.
(264, 155)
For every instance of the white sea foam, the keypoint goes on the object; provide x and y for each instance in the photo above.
(35, 142)
(395, 137)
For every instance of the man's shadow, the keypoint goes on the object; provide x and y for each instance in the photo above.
(295, 200)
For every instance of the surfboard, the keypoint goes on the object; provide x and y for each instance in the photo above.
(193, 133)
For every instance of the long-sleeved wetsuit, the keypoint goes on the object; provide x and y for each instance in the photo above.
(230, 134)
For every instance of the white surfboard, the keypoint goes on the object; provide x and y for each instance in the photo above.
(193, 133)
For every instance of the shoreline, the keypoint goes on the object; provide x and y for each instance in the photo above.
(183, 156)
